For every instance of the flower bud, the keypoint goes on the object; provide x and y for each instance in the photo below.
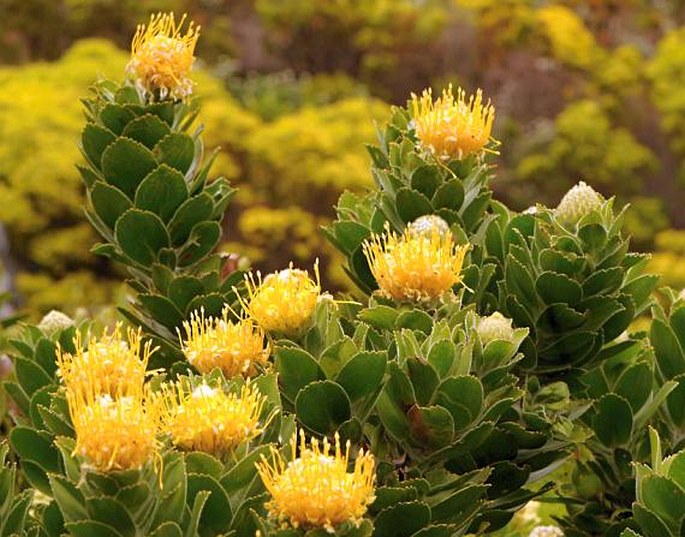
(424, 226)
(581, 200)
(494, 327)
(54, 321)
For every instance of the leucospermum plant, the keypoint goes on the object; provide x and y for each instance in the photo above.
(482, 349)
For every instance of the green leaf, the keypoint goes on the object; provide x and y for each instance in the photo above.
(243, 473)
(196, 512)
(168, 529)
(442, 356)
(322, 406)
(116, 117)
(640, 288)
(31, 376)
(177, 150)
(216, 515)
(559, 318)
(635, 385)
(192, 212)
(125, 163)
(676, 402)
(95, 139)
(424, 379)
(296, 368)
(462, 397)
(89, 528)
(677, 323)
(432, 426)
(147, 129)
(603, 281)
(649, 523)
(426, 179)
(449, 196)
(363, 374)
(412, 204)
(70, 500)
(665, 499)
(140, 235)
(382, 317)
(554, 287)
(613, 421)
(350, 234)
(182, 290)
(415, 320)
(213, 303)
(465, 500)
(108, 202)
(203, 238)
(162, 310)
(401, 519)
(127, 95)
(388, 496)
(519, 282)
(18, 395)
(162, 191)
(669, 354)
(36, 447)
(110, 512)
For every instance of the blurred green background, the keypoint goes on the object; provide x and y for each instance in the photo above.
(584, 89)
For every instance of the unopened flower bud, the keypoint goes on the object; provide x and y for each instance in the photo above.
(581, 200)
(546, 531)
(54, 321)
(494, 327)
(426, 225)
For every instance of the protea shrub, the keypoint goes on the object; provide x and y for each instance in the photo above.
(486, 354)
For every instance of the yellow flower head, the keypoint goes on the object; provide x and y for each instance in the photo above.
(315, 490)
(113, 433)
(415, 266)
(237, 348)
(284, 301)
(110, 365)
(452, 128)
(161, 57)
(207, 419)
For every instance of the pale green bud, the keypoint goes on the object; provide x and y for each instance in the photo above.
(54, 321)
(546, 531)
(582, 199)
(496, 326)
(425, 225)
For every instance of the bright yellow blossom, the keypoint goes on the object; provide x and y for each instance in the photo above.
(161, 57)
(207, 419)
(284, 301)
(237, 348)
(109, 365)
(112, 433)
(452, 128)
(315, 490)
(415, 266)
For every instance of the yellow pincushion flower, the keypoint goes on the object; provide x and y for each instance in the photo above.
(237, 348)
(208, 419)
(162, 57)
(452, 127)
(284, 301)
(110, 365)
(315, 490)
(112, 433)
(415, 266)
